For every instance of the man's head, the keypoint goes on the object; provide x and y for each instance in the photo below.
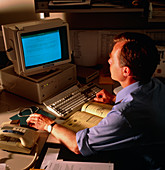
(138, 53)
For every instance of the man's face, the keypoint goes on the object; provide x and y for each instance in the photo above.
(115, 69)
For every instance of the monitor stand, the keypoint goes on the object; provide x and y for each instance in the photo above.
(39, 89)
(44, 75)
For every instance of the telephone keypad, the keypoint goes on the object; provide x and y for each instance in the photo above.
(19, 129)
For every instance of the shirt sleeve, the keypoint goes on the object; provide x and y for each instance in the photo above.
(106, 135)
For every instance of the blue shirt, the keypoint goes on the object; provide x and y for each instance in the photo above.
(137, 118)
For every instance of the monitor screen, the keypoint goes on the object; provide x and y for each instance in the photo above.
(38, 46)
(41, 48)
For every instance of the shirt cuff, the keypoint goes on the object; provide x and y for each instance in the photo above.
(82, 142)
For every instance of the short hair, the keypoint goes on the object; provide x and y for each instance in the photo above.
(139, 53)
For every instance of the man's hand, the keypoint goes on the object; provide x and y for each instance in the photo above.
(38, 121)
(62, 134)
(105, 97)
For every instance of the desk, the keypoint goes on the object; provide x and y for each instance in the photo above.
(9, 104)
(123, 157)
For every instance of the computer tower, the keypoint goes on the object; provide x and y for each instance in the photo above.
(42, 90)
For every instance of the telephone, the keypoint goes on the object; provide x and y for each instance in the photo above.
(17, 139)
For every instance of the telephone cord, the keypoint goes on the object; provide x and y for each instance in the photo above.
(34, 158)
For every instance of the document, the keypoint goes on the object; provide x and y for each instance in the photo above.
(84, 47)
(3, 166)
(67, 165)
(50, 157)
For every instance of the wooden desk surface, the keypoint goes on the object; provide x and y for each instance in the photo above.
(10, 104)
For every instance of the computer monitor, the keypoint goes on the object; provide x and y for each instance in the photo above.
(37, 46)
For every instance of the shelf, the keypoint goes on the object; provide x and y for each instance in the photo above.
(96, 15)
(91, 10)
(43, 6)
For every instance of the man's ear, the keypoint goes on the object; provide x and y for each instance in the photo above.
(126, 71)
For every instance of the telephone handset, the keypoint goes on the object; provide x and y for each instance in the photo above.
(17, 139)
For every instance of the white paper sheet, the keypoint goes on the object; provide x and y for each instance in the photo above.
(50, 157)
(67, 165)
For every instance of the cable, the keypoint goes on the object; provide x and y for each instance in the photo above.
(34, 158)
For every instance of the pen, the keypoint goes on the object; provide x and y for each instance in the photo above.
(45, 166)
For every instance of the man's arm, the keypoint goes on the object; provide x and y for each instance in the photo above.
(66, 137)
(62, 134)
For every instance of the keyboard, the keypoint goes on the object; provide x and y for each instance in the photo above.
(68, 102)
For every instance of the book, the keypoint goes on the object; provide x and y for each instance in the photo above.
(90, 115)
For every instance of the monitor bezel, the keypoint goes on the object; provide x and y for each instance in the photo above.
(48, 66)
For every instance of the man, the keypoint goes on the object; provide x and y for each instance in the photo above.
(138, 116)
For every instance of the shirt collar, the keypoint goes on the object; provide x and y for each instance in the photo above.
(127, 90)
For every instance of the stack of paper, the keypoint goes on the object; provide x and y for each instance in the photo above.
(50, 162)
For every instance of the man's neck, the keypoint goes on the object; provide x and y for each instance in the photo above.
(127, 82)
